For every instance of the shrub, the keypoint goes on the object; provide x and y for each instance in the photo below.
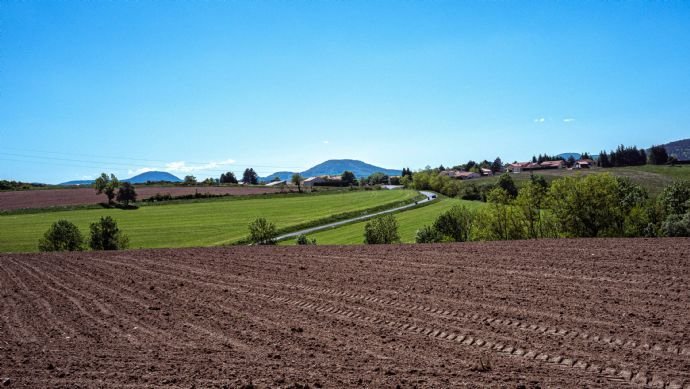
(262, 232)
(428, 234)
(676, 226)
(62, 236)
(456, 223)
(105, 235)
(303, 240)
(381, 230)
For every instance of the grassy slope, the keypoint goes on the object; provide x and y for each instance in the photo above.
(195, 224)
(651, 177)
(408, 224)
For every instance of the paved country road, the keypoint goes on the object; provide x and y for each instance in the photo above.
(430, 196)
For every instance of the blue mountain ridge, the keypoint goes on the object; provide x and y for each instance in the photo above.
(153, 176)
(336, 167)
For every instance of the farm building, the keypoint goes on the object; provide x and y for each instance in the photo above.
(459, 174)
(486, 172)
(311, 181)
(519, 167)
(584, 164)
(277, 183)
(560, 164)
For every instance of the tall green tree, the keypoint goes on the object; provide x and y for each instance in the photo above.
(657, 155)
(228, 178)
(348, 178)
(107, 185)
(497, 165)
(297, 180)
(250, 177)
(126, 194)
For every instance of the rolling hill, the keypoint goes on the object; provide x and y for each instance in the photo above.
(680, 149)
(336, 167)
(142, 178)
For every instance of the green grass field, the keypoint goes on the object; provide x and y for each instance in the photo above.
(652, 177)
(199, 223)
(408, 224)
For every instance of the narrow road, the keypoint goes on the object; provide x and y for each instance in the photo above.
(430, 196)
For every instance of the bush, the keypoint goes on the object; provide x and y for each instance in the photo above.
(303, 240)
(456, 223)
(381, 230)
(62, 236)
(428, 234)
(105, 235)
(676, 226)
(262, 232)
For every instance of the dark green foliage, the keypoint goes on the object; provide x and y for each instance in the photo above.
(250, 177)
(381, 230)
(126, 194)
(377, 179)
(506, 183)
(303, 240)
(407, 172)
(455, 224)
(428, 234)
(497, 165)
(623, 156)
(262, 232)
(348, 178)
(658, 155)
(675, 198)
(228, 178)
(105, 235)
(570, 161)
(189, 180)
(62, 236)
(676, 226)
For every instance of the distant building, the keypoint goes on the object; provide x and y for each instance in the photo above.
(311, 181)
(519, 167)
(584, 164)
(486, 172)
(560, 164)
(459, 175)
(277, 183)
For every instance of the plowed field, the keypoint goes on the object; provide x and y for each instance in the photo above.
(559, 313)
(78, 196)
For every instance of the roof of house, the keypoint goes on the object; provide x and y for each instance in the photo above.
(560, 162)
(311, 179)
(274, 183)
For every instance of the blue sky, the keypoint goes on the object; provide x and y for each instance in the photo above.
(204, 87)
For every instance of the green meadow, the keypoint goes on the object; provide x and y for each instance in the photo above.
(408, 224)
(203, 223)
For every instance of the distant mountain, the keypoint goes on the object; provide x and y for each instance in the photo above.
(78, 183)
(153, 177)
(565, 156)
(138, 179)
(680, 149)
(336, 167)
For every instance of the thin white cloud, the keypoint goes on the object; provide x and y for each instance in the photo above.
(539, 120)
(568, 120)
(182, 167)
(325, 142)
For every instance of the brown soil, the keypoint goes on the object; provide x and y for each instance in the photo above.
(78, 196)
(559, 313)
